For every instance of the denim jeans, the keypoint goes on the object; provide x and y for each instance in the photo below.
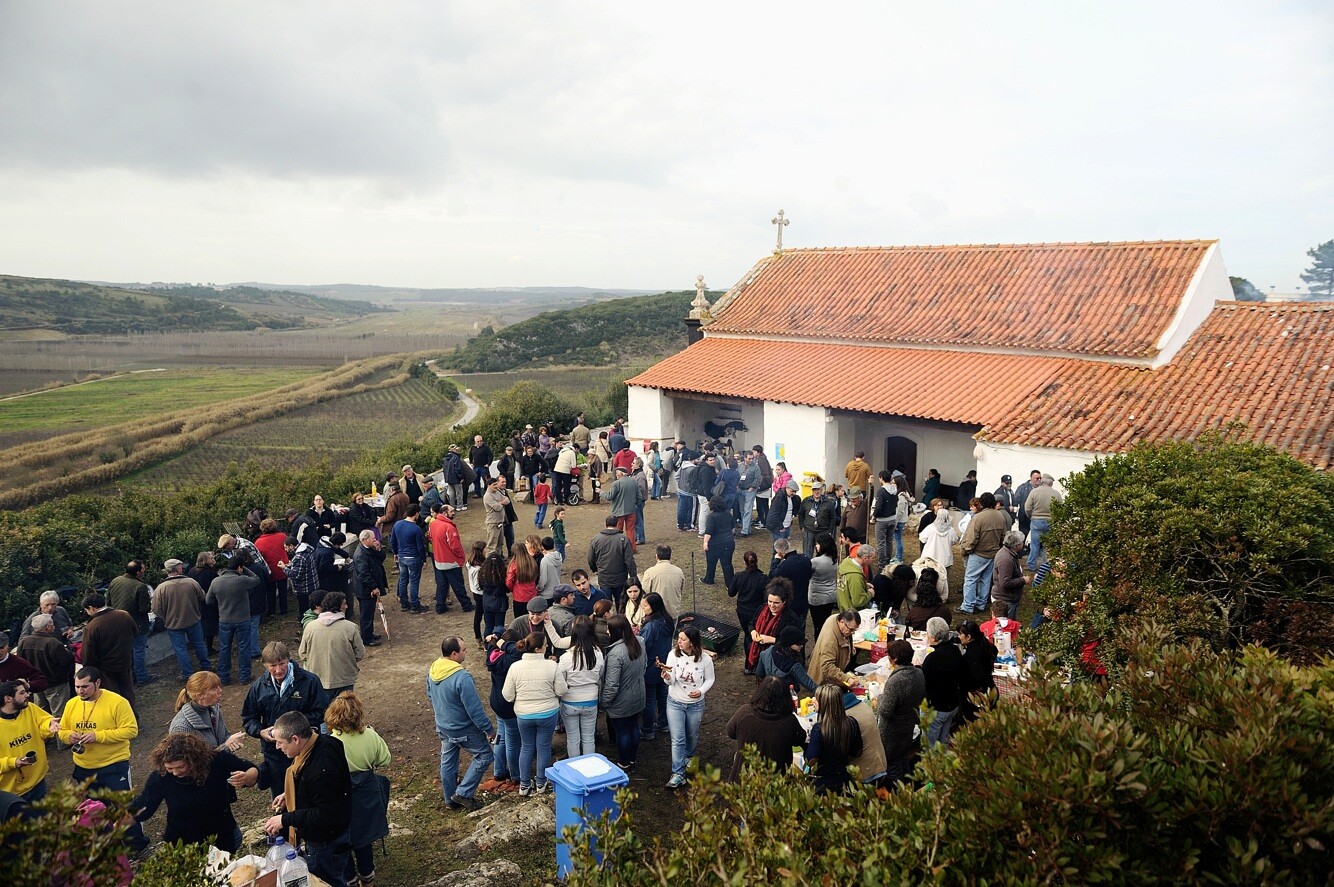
(640, 538)
(977, 583)
(115, 777)
(581, 725)
(409, 581)
(625, 733)
(747, 500)
(255, 649)
(939, 731)
(540, 516)
(1036, 527)
(36, 793)
(685, 511)
(137, 652)
(655, 707)
(683, 720)
(182, 639)
(474, 742)
(240, 631)
(331, 860)
(506, 749)
(444, 581)
(535, 735)
(656, 490)
(898, 541)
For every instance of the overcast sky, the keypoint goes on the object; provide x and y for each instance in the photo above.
(637, 145)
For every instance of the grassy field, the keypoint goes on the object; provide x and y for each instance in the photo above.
(568, 382)
(335, 432)
(135, 395)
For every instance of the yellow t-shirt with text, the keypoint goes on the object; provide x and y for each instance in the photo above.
(110, 718)
(25, 732)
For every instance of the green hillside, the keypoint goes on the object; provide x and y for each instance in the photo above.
(619, 331)
(265, 303)
(84, 308)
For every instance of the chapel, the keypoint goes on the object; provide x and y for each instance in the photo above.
(1002, 358)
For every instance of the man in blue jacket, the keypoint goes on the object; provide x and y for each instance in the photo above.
(408, 543)
(460, 722)
(284, 686)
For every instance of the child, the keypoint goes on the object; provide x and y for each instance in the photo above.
(558, 531)
(476, 557)
(541, 498)
(495, 593)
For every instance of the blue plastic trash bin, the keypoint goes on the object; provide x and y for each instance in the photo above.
(585, 786)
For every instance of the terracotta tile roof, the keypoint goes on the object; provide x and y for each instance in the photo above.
(897, 381)
(1113, 299)
(1268, 367)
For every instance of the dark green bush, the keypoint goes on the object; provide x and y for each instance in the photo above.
(1199, 537)
(1200, 766)
(61, 848)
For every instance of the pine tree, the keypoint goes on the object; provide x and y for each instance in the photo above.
(1319, 277)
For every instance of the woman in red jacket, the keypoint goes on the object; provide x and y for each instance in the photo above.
(272, 545)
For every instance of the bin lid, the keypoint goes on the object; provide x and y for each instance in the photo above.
(586, 774)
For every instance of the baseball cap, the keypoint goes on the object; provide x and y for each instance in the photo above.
(1005, 478)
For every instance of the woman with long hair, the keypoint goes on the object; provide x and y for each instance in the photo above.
(581, 666)
(365, 751)
(748, 589)
(622, 695)
(199, 711)
(688, 673)
(928, 603)
(635, 609)
(495, 594)
(835, 740)
(534, 685)
(477, 557)
(768, 723)
(521, 578)
(198, 785)
(892, 585)
(823, 591)
(655, 635)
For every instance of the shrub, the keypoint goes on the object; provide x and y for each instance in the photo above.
(65, 847)
(1199, 537)
(177, 864)
(1201, 766)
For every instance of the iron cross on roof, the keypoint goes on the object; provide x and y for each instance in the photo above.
(780, 222)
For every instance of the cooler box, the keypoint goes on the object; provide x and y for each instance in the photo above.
(585, 786)
(714, 634)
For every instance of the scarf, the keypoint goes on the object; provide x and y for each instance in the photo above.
(764, 624)
(289, 781)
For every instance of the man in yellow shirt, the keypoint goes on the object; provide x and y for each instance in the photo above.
(24, 727)
(99, 724)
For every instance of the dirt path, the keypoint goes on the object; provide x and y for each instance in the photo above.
(392, 686)
(77, 384)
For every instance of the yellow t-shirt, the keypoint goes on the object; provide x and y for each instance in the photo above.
(24, 732)
(110, 718)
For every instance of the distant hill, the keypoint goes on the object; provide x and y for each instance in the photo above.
(464, 295)
(616, 331)
(28, 303)
(262, 304)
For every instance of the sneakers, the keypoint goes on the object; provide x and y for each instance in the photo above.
(544, 788)
(373, 642)
(406, 608)
(647, 736)
(419, 609)
(525, 791)
(676, 781)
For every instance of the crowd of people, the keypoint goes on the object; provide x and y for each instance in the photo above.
(606, 645)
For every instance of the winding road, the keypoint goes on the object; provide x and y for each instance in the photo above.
(470, 406)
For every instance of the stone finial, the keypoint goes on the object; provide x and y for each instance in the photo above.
(699, 309)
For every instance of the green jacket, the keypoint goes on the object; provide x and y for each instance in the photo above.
(131, 595)
(852, 593)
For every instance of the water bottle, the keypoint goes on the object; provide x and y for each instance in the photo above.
(294, 873)
(277, 852)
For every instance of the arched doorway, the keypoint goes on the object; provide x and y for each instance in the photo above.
(901, 451)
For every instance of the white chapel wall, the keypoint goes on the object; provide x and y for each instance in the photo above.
(1210, 285)
(652, 414)
(799, 433)
(994, 460)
